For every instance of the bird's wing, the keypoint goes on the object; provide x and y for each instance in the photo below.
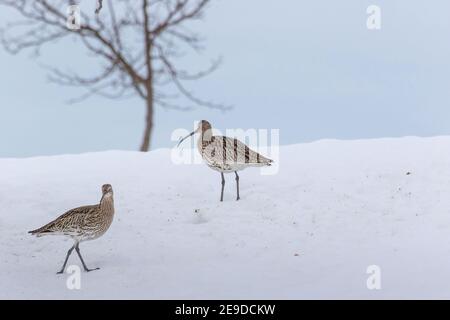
(71, 221)
(227, 150)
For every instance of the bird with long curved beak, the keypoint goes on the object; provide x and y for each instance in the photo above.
(82, 224)
(225, 154)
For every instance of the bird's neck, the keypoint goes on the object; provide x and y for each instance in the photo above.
(205, 138)
(107, 202)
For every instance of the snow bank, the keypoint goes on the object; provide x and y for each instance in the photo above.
(311, 231)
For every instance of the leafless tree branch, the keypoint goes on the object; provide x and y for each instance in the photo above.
(99, 6)
(136, 43)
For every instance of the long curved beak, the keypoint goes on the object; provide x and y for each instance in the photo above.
(189, 135)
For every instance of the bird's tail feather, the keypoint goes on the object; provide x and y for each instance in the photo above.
(40, 232)
(266, 162)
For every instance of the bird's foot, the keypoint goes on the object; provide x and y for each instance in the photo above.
(60, 272)
(89, 270)
(238, 198)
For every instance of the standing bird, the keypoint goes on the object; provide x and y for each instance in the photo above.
(82, 224)
(225, 154)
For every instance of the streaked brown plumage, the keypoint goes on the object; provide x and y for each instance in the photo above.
(225, 154)
(82, 224)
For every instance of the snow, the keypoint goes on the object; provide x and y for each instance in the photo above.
(309, 231)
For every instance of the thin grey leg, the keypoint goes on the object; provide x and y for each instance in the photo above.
(237, 185)
(223, 186)
(77, 248)
(65, 261)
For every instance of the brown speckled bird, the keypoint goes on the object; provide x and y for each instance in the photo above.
(225, 154)
(82, 224)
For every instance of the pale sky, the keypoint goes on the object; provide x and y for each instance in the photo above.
(309, 68)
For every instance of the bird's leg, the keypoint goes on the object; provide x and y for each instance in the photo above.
(237, 186)
(223, 186)
(77, 248)
(65, 261)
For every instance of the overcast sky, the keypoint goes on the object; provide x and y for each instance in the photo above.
(310, 68)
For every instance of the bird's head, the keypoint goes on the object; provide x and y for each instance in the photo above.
(203, 127)
(107, 190)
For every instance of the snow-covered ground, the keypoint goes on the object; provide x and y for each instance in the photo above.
(310, 231)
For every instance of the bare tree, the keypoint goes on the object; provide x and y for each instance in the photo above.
(136, 41)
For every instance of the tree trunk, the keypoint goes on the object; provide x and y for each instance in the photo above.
(149, 81)
(148, 125)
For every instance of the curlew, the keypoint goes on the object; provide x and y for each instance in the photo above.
(82, 224)
(225, 154)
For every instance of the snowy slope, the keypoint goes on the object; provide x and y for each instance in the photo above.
(334, 208)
